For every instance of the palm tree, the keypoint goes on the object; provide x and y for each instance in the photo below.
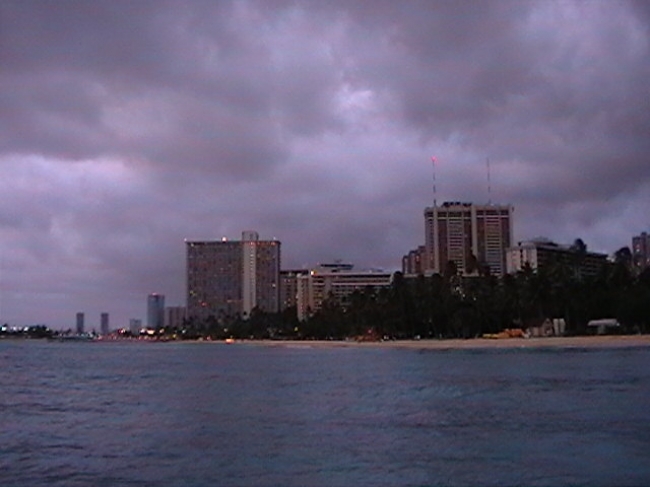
(579, 249)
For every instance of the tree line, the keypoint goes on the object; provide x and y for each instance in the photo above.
(449, 305)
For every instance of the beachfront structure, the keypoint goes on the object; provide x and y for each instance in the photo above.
(337, 281)
(469, 235)
(230, 278)
(541, 254)
(641, 251)
(155, 311)
(603, 326)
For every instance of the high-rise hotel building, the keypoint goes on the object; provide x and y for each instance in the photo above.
(226, 279)
(468, 235)
(155, 310)
(80, 323)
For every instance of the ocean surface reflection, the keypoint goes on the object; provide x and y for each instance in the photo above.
(172, 414)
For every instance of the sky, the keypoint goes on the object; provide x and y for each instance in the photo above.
(128, 127)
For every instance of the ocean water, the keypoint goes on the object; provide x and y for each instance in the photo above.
(196, 414)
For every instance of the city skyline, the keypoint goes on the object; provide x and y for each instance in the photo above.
(128, 128)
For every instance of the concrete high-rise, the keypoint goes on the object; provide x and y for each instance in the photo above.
(80, 323)
(174, 316)
(414, 262)
(135, 325)
(155, 311)
(289, 287)
(226, 279)
(471, 236)
(104, 324)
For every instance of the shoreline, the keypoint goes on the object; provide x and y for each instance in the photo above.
(602, 341)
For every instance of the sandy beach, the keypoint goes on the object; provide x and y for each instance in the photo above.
(475, 343)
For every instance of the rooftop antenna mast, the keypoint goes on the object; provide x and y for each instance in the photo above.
(489, 186)
(433, 165)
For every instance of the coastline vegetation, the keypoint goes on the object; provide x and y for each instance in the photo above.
(451, 306)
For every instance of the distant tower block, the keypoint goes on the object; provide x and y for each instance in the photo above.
(80, 323)
(104, 324)
(468, 235)
(231, 278)
(155, 311)
(135, 325)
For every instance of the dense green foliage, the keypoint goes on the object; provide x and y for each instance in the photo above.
(436, 307)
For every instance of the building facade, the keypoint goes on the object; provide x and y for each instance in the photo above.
(641, 251)
(469, 235)
(155, 311)
(104, 325)
(228, 279)
(543, 254)
(338, 281)
(174, 316)
(80, 323)
(289, 287)
(135, 326)
(415, 262)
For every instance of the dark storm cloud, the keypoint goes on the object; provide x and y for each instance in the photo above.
(94, 79)
(191, 83)
(127, 126)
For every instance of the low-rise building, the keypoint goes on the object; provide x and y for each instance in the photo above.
(338, 281)
(541, 254)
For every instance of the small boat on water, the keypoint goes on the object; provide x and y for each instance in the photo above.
(229, 340)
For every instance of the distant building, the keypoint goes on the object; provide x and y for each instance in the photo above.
(155, 310)
(289, 287)
(261, 274)
(227, 279)
(135, 325)
(104, 329)
(174, 316)
(641, 251)
(415, 262)
(471, 236)
(541, 254)
(336, 280)
(80, 323)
